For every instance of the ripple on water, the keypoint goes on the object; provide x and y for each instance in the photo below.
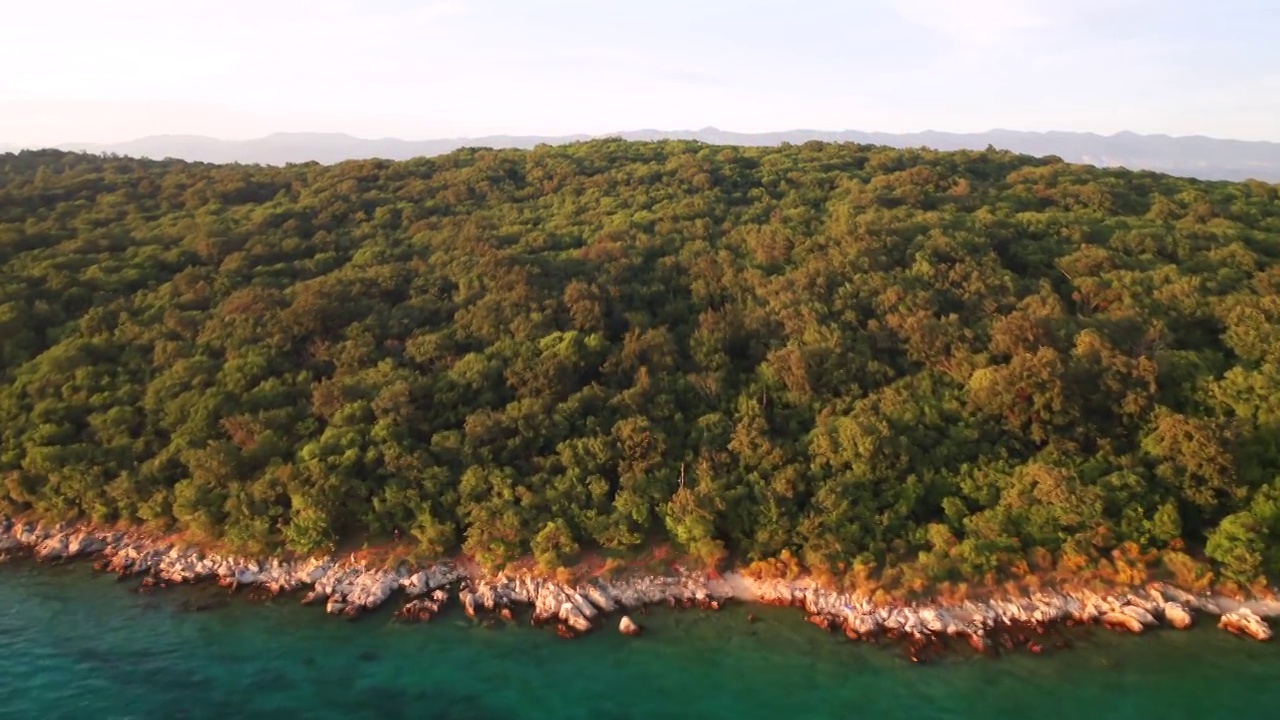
(78, 645)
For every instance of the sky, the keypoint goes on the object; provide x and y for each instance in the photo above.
(96, 71)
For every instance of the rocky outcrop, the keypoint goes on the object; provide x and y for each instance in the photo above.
(349, 588)
(627, 626)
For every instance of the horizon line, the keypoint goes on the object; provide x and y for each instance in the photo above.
(618, 133)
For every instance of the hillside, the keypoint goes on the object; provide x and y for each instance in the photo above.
(850, 353)
(1198, 157)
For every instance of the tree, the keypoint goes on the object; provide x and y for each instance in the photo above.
(859, 355)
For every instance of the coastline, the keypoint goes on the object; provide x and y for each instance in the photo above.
(350, 587)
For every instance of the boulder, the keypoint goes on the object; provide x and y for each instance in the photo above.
(599, 599)
(441, 575)
(371, 589)
(420, 610)
(485, 597)
(629, 597)
(978, 641)
(933, 620)
(415, 584)
(469, 604)
(1122, 621)
(85, 544)
(584, 606)
(548, 603)
(821, 621)
(865, 624)
(570, 615)
(1140, 615)
(627, 626)
(775, 593)
(1244, 622)
(53, 548)
(1177, 616)
(312, 570)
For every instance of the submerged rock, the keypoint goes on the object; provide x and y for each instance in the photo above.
(420, 610)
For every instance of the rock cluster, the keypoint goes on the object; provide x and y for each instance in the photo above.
(1245, 622)
(575, 610)
(1013, 621)
(1006, 622)
(348, 587)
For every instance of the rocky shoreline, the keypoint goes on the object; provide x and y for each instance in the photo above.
(349, 587)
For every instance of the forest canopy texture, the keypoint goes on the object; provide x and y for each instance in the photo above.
(848, 353)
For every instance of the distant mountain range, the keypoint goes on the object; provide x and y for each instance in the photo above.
(1194, 156)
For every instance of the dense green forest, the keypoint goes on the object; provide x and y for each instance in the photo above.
(851, 354)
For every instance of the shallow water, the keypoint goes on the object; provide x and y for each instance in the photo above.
(74, 644)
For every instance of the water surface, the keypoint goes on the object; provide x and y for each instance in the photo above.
(74, 644)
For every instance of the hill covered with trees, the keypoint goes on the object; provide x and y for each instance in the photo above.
(853, 354)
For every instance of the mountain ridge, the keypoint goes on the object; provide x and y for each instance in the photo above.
(1195, 156)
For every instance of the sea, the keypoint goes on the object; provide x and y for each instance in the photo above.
(76, 644)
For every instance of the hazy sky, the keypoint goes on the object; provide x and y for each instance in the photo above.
(95, 71)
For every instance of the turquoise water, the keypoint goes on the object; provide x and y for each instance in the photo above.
(78, 645)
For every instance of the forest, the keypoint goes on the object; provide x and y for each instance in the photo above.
(853, 356)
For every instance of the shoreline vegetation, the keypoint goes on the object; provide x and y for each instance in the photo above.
(1000, 620)
(915, 379)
